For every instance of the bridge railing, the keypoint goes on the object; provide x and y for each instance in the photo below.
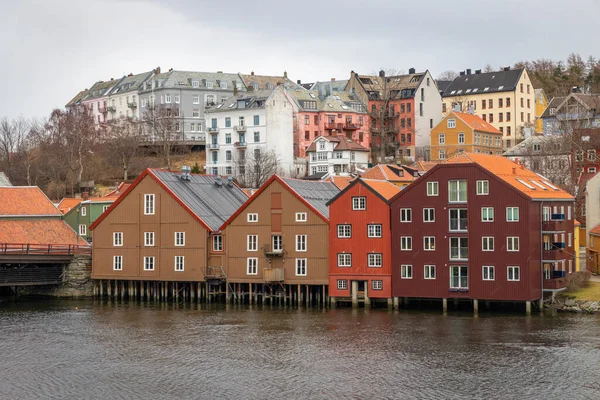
(44, 249)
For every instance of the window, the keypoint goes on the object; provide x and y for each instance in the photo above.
(569, 213)
(459, 278)
(570, 242)
(344, 260)
(252, 243)
(513, 274)
(344, 231)
(82, 230)
(277, 242)
(217, 243)
(104, 208)
(83, 211)
(461, 138)
(487, 243)
(252, 266)
(300, 242)
(487, 214)
(300, 266)
(148, 263)
(148, 204)
(377, 285)
(546, 214)
(342, 284)
(442, 138)
(458, 219)
(432, 189)
(196, 99)
(457, 191)
(488, 273)
(148, 239)
(359, 203)
(512, 243)
(374, 260)
(301, 217)
(459, 248)
(179, 239)
(252, 217)
(512, 214)
(405, 215)
(117, 263)
(429, 243)
(428, 215)
(256, 137)
(429, 271)
(257, 120)
(406, 243)
(117, 238)
(374, 230)
(483, 187)
(179, 263)
(209, 85)
(406, 271)
(451, 123)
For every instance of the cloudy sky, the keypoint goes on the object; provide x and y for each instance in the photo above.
(54, 48)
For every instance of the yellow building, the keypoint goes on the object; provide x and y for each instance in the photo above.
(505, 99)
(541, 102)
(460, 132)
(576, 244)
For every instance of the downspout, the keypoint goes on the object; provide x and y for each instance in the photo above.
(542, 254)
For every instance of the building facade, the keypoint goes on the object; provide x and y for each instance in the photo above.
(123, 101)
(541, 102)
(96, 100)
(336, 155)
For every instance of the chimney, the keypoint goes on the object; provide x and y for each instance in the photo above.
(252, 73)
(229, 181)
(514, 170)
(382, 74)
(219, 72)
(469, 71)
(462, 73)
(170, 69)
(285, 74)
(235, 90)
(130, 74)
(218, 181)
(411, 70)
(85, 196)
(116, 187)
(299, 82)
(185, 173)
(477, 71)
(507, 68)
(332, 79)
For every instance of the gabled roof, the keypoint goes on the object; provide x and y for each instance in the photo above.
(269, 82)
(4, 181)
(391, 173)
(314, 194)
(341, 143)
(595, 231)
(25, 201)
(252, 99)
(338, 102)
(340, 181)
(333, 86)
(100, 89)
(121, 188)
(38, 231)
(208, 198)
(487, 82)
(67, 204)
(382, 189)
(549, 145)
(77, 99)
(183, 79)
(525, 181)
(406, 82)
(474, 122)
(589, 101)
(130, 83)
(424, 166)
(553, 104)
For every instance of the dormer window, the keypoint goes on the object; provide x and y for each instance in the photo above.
(255, 85)
(223, 85)
(195, 84)
(321, 145)
(209, 85)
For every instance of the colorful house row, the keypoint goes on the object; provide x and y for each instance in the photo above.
(476, 227)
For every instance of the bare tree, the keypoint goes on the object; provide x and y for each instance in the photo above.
(254, 170)
(12, 134)
(163, 125)
(121, 142)
(447, 76)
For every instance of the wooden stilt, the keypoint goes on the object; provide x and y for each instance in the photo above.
(101, 289)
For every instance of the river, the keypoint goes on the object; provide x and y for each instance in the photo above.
(94, 350)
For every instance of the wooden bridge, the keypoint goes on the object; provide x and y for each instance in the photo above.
(23, 264)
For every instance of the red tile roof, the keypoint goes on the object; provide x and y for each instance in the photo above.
(390, 173)
(340, 181)
(476, 123)
(384, 188)
(49, 231)
(424, 166)
(595, 231)
(522, 179)
(67, 204)
(119, 190)
(25, 200)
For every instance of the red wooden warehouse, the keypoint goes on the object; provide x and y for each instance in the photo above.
(360, 263)
(481, 227)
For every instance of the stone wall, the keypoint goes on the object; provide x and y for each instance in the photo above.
(77, 282)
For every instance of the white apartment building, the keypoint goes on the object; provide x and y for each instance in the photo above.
(123, 99)
(336, 155)
(251, 121)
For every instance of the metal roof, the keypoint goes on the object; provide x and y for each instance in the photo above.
(4, 181)
(211, 202)
(481, 83)
(316, 193)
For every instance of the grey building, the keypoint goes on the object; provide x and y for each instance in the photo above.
(189, 92)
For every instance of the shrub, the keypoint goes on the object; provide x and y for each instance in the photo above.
(577, 280)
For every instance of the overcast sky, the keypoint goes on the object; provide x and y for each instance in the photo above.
(54, 48)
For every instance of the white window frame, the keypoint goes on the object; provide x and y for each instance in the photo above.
(433, 189)
(461, 138)
(149, 204)
(277, 242)
(429, 272)
(570, 239)
(429, 243)
(342, 284)
(148, 239)
(546, 214)
(483, 188)
(83, 211)
(426, 212)
(252, 243)
(359, 203)
(451, 123)
(374, 230)
(179, 239)
(375, 260)
(459, 287)
(458, 198)
(252, 266)
(217, 242)
(459, 228)
(510, 244)
(179, 263)
(510, 273)
(442, 138)
(488, 268)
(117, 263)
(406, 243)
(252, 217)
(104, 208)
(377, 285)
(301, 217)
(344, 260)
(487, 240)
(406, 271)
(118, 239)
(196, 99)
(459, 247)
(406, 215)
(486, 210)
(149, 261)
(301, 245)
(301, 266)
(344, 228)
(82, 230)
(510, 211)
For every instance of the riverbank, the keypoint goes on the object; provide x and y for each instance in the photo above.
(584, 300)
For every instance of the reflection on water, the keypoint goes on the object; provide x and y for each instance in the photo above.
(124, 351)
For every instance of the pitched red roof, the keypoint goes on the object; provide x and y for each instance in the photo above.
(340, 181)
(595, 231)
(384, 188)
(25, 200)
(119, 190)
(392, 173)
(49, 231)
(68, 203)
(476, 123)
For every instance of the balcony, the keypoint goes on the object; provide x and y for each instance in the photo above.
(212, 129)
(111, 109)
(241, 145)
(213, 146)
(270, 252)
(133, 104)
(556, 282)
(273, 274)
(351, 127)
(557, 217)
(240, 128)
(332, 125)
